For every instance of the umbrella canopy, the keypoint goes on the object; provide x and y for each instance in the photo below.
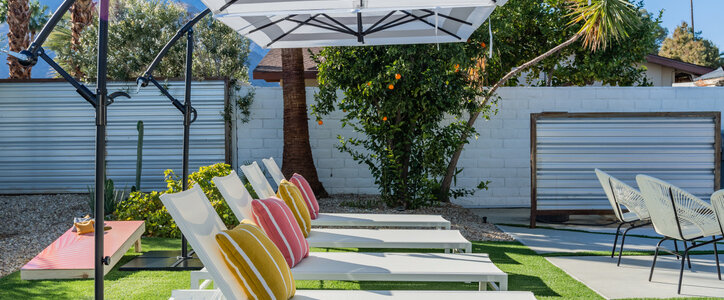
(310, 23)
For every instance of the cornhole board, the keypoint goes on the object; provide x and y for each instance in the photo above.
(71, 255)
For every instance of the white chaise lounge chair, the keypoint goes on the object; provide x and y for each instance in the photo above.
(263, 189)
(621, 194)
(679, 215)
(193, 209)
(239, 200)
(199, 223)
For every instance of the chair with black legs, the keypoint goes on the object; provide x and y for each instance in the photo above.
(679, 215)
(621, 194)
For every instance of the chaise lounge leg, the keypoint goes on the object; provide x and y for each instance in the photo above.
(656, 254)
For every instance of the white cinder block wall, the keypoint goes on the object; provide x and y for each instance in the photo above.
(501, 154)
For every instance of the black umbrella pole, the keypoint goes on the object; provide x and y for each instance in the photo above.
(101, 92)
(187, 122)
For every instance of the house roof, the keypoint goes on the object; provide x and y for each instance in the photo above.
(270, 67)
(677, 64)
(715, 78)
(718, 73)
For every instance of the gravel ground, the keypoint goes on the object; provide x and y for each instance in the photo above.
(470, 225)
(29, 223)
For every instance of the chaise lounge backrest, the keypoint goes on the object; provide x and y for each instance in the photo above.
(200, 223)
(236, 195)
(273, 168)
(258, 181)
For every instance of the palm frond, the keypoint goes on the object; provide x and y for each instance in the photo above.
(603, 21)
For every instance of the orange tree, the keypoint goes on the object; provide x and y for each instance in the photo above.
(398, 98)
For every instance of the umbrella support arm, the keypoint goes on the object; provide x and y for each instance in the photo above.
(175, 102)
(143, 80)
(147, 77)
(29, 57)
(82, 90)
(190, 114)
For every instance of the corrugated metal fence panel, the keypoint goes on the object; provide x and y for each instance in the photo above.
(47, 135)
(680, 150)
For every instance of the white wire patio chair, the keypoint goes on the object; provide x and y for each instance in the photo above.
(679, 215)
(621, 194)
(717, 202)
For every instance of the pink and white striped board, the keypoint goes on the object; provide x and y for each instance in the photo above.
(71, 255)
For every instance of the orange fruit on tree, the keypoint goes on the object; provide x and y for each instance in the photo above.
(398, 76)
(391, 86)
(369, 83)
(482, 44)
(320, 122)
(384, 118)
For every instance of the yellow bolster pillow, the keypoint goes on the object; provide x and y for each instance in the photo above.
(293, 198)
(258, 266)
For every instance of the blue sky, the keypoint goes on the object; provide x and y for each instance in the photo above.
(707, 19)
(707, 16)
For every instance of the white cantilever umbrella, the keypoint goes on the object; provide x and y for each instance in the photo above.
(310, 23)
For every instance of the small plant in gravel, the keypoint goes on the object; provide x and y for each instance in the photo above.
(148, 206)
(111, 198)
(364, 203)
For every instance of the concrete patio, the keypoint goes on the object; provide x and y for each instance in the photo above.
(630, 280)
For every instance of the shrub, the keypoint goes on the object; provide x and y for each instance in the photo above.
(148, 206)
(396, 101)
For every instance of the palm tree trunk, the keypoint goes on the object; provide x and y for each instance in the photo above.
(297, 157)
(81, 15)
(18, 20)
(452, 165)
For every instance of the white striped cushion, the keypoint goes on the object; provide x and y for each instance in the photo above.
(277, 221)
(309, 197)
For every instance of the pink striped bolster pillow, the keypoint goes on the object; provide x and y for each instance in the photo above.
(277, 221)
(307, 193)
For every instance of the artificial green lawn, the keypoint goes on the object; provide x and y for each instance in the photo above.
(526, 271)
